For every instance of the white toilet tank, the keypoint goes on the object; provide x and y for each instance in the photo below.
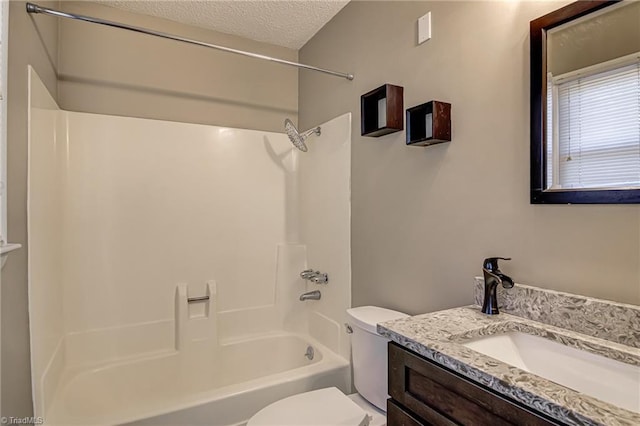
(369, 352)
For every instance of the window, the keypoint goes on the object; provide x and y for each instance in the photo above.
(593, 126)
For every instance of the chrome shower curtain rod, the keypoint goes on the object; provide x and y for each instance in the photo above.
(34, 8)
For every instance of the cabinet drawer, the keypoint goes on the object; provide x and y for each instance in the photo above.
(441, 397)
(398, 417)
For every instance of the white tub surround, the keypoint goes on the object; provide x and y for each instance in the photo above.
(163, 249)
(325, 228)
(47, 154)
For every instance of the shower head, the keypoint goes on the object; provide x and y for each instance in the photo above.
(297, 138)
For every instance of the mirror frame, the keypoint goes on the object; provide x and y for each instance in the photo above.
(538, 32)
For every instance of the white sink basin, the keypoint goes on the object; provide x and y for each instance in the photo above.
(608, 380)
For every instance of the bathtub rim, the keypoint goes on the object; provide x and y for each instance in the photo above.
(329, 361)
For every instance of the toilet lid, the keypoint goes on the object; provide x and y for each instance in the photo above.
(324, 407)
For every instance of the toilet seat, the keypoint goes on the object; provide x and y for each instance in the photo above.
(324, 407)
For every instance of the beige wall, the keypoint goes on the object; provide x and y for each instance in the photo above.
(32, 40)
(110, 71)
(423, 219)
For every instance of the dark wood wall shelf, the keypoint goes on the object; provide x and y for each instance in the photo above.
(429, 124)
(381, 111)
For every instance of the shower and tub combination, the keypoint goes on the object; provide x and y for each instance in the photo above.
(143, 309)
(165, 266)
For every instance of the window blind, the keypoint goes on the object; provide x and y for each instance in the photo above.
(598, 130)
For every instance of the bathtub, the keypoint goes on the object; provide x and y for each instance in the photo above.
(205, 385)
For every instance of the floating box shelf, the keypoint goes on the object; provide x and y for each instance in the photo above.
(429, 124)
(381, 111)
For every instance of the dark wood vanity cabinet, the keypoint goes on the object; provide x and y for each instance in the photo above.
(424, 393)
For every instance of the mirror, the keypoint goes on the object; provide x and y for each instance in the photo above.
(585, 104)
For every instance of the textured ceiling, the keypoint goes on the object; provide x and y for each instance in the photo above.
(281, 22)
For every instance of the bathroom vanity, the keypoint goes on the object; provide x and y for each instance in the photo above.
(549, 358)
(427, 389)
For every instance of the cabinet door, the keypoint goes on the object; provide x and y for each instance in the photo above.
(440, 397)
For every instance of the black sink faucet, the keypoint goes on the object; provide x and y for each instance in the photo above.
(493, 277)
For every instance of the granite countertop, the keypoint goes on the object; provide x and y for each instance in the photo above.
(438, 336)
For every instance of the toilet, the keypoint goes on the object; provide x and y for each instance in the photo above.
(331, 407)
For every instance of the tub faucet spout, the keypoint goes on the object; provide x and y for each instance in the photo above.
(492, 277)
(310, 295)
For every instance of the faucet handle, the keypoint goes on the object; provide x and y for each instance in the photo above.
(491, 263)
(320, 278)
(307, 274)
